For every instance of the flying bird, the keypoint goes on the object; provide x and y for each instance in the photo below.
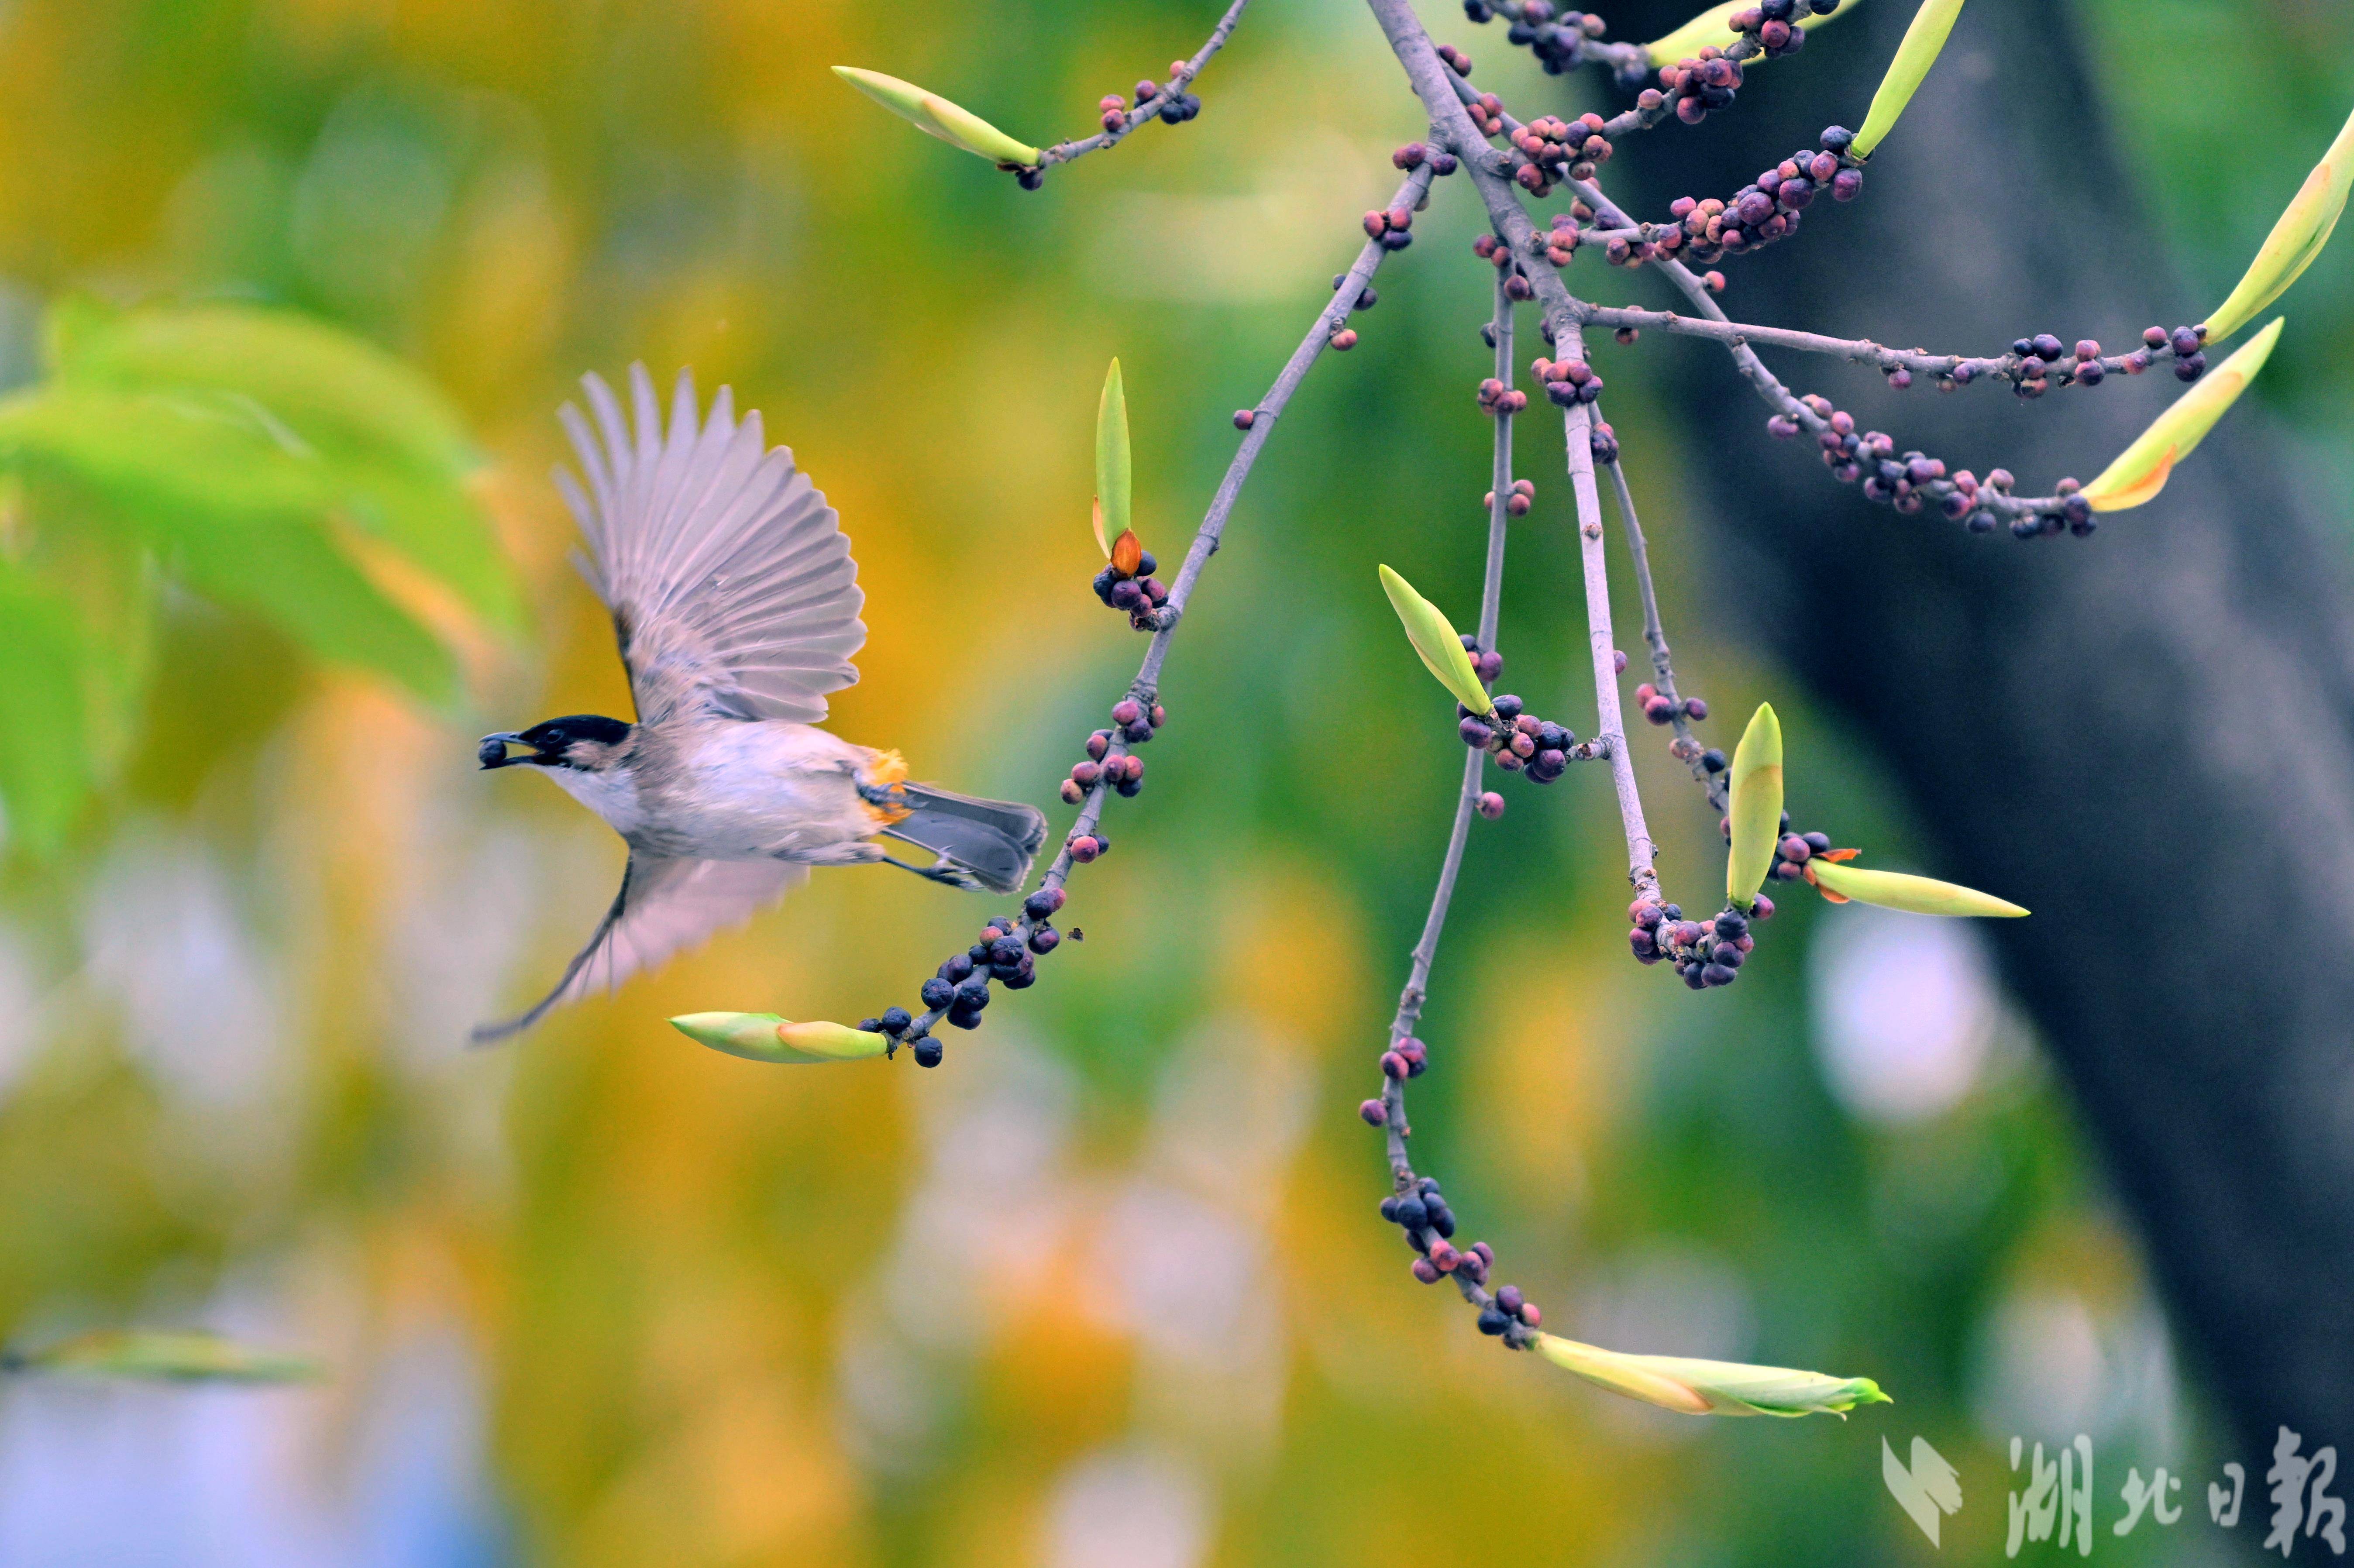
(736, 603)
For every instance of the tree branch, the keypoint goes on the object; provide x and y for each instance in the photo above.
(1153, 108)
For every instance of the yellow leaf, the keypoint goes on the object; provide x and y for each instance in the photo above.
(1755, 806)
(2140, 470)
(1710, 26)
(1694, 1387)
(936, 116)
(1914, 56)
(765, 1037)
(1112, 475)
(1916, 895)
(1436, 640)
(2295, 239)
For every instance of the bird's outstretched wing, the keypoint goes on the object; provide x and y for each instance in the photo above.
(730, 578)
(664, 905)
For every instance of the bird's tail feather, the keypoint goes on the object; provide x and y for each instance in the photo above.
(993, 842)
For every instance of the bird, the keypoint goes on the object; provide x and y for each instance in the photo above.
(735, 601)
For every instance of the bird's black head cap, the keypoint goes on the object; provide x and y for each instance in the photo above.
(588, 741)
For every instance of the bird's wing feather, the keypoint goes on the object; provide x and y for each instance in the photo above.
(664, 905)
(731, 583)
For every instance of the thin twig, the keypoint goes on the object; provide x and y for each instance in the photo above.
(1150, 108)
(1686, 746)
(1403, 1179)
(1862, 351)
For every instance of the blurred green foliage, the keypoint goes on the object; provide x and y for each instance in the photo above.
(235, 452)
(725, 1314)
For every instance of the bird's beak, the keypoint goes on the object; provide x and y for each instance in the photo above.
(492, 752)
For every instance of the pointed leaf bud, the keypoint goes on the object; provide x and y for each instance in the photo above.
(1755, 806)
(2295, 239)
(168, 1355)
(1914, 56)
(1438, 641)
(1918, 894)
(1712, 1388)
(936, 116)
(765, 1037)
(2141, 471)
(1112, 478)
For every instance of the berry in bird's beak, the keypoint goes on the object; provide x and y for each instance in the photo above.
(492, 752)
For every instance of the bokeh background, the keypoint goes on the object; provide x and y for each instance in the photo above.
(1107, 1287)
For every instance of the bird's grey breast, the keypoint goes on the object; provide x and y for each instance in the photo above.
(737, 790)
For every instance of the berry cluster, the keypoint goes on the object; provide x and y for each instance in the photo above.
(1705, 953)
(1499, 255)
(1520, 742)
(2189, 359)
(1603, 440)
(1124, 773)
(1795, 849)
(1133, 726)
(1699, 83)
(1007, 952)
(1517, 501)
(1559, 149)
(1173, 104)
(1126, 584)
(1770, 208)
(1392, 229)
(1413, 154)
(1495, 397)
(1557, 44)
(1568, 382)
(1662, 709)
(1911, 481)
(1773, 24)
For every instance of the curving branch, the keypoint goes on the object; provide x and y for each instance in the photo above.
(1170, 101)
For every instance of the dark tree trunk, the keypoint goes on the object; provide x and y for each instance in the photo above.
(2143, 737)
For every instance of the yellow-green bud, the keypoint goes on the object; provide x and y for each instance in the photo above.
(765, 1037)
(1712, 1388)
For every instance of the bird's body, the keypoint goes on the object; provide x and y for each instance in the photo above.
(737, 790)
(735, 604)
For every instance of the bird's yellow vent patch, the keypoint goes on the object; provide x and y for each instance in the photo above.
(887, 769)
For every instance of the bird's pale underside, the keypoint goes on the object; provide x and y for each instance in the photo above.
(735, 601)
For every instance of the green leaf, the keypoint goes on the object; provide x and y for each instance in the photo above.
(214, 489)
(390, 454)
(1436, 640)
(2141, 471)
(45, 679)
(166, 1355)
(1755, 806)
(1712, 1388)
(1712, 27)
(765, 1037)
(936, 116)
(1915, 895)
(1914, 56)
(1112, 475)
(2295, 239)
